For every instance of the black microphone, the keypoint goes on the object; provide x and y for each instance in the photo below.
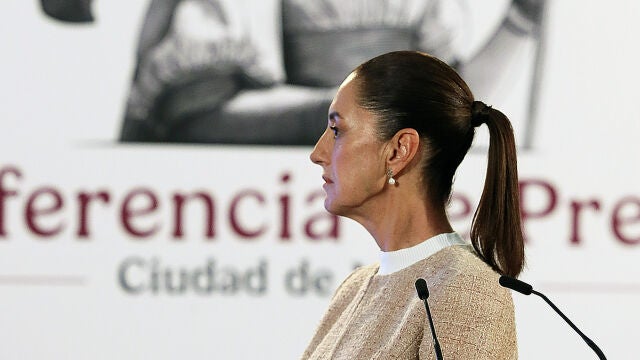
(423, 294)
(515, 284)
(524, 288)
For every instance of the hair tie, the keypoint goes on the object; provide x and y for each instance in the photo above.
(479, 113)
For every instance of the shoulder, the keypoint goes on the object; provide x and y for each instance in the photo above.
(343, 296)
(461, 267)
(355, 281)
(461, 277)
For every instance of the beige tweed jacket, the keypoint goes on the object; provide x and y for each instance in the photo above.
(381, 317)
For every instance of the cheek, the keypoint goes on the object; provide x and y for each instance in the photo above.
(342, 168)
(355, 173)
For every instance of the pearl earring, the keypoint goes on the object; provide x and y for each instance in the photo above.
(391, 180)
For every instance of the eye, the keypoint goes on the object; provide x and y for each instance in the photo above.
(335, 130)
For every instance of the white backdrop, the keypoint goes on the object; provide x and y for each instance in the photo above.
(61, 296)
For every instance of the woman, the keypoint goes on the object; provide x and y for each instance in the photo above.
(399, 126)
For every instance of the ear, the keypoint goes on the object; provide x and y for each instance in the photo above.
(403, 148)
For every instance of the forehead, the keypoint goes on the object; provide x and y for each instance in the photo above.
(350, 116)
(344, 102)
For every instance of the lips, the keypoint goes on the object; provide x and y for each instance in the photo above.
(326, 179)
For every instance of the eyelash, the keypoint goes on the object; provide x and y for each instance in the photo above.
(335, 131)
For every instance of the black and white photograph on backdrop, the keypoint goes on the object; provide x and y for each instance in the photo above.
(178, 179)
(200, 74)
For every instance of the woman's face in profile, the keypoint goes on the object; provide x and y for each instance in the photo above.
(351, 156)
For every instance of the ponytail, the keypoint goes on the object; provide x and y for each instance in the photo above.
(496, 232)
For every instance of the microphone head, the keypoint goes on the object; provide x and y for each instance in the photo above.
(421, 288)
(515, 284)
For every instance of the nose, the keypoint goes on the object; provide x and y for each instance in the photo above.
(319, 155)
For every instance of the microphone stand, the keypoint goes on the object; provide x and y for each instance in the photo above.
(526, 289)
(423, 294)
(436, 344)
(584, 337)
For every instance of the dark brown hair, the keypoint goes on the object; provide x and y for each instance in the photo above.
(408, 89)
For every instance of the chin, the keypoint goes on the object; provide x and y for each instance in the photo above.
(328, 205)
(333, 208)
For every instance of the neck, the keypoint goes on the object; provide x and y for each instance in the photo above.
(404, 221)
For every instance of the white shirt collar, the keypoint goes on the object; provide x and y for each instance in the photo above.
(392, 261)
